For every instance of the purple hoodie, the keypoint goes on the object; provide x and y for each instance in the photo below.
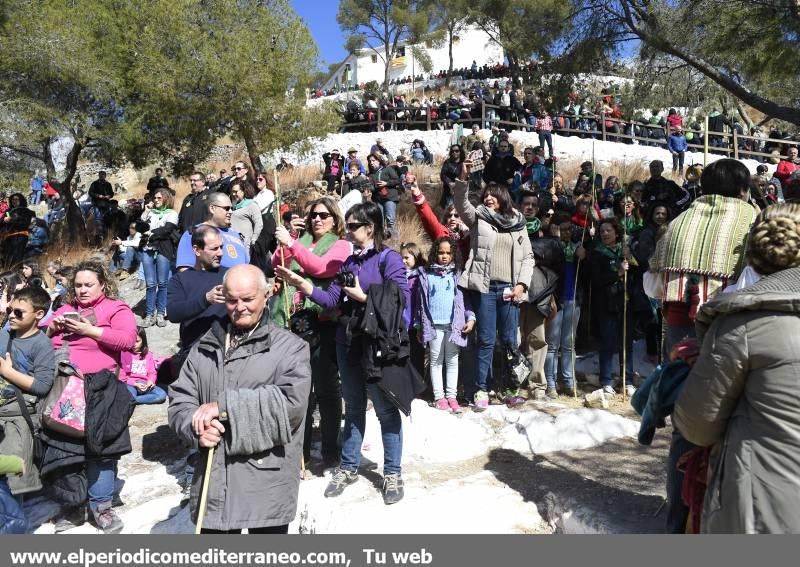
(367, 267)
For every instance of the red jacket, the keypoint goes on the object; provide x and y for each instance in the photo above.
(437, 230)
(785, 169)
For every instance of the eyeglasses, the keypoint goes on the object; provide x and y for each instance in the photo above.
(321, 214)
(238, 168)
(227, 208)
(354, 226)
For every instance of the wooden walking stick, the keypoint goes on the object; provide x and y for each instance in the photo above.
(286, 300)
(279, 221)
(575, 286)
(201, 512)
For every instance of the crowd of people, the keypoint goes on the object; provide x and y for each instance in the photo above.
(281, 312)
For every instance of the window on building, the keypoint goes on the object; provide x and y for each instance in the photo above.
(374, 58)
(401, 51)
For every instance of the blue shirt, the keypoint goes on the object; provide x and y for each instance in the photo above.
(234, 251)
(441, 295)
(37, 184)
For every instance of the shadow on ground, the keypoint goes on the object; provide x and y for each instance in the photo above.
(614, 488)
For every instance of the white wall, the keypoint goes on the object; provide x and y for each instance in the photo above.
(472, 45)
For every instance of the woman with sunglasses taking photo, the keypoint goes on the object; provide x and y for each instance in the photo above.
(370, 264)
(449, 225)
(316, 256)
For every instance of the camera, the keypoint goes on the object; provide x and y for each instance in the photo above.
(346, 279)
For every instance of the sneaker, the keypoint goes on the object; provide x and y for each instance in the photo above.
(609, 390)
(630, 389)
(123, 275)
(551, 393)
(392, 489)
(149, 321)
(341, 479)
(481, 401)
(538, 394)
(71, 518)
(453, 403)
(140, 285)
(106, 519)
(442, 404)
(161, 321)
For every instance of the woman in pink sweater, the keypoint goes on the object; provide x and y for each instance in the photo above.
(317, 255)
(95, 328)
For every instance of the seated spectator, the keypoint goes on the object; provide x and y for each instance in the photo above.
(138, 371)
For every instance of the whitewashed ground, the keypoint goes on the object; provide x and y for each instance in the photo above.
(439, 471)
(571, 148)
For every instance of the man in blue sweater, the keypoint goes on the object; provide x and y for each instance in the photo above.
(195, 300)
(234, 251)
(194, 296)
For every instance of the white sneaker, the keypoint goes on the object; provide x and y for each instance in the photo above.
(609, 391)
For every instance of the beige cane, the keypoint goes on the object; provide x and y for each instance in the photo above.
(204, 494)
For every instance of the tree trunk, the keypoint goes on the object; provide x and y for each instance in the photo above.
(74, 223)
(450, 53)
(252, 151)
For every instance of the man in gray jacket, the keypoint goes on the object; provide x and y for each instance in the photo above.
(244, 389)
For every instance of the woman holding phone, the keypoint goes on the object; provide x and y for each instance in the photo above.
(91, 331)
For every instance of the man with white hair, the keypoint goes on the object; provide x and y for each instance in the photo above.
(244, 389)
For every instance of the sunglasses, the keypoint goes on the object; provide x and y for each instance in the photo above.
(239, 168)
(354, 226)
(321, 214)
(227, 208)
(17, 313)
(453, 216)
(260, 179)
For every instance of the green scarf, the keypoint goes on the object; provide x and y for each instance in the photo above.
(631, 225)
(614, 255)
(320, 249)
(243, 203)
(569, 248)
(533, 226)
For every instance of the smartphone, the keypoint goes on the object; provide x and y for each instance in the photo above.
(72, 315)
(507, 294)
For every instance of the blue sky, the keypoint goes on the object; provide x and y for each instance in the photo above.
(320, 17)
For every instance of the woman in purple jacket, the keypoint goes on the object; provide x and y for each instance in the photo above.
(365, 230)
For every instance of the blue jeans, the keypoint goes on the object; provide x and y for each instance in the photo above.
(560, 333)
(546, 137)
(355, 391)
(610, 343)
(156, 275)
(101, 475)
(494, 317)
(36, 196)
(389, 214)
(125, 259)
(154, 395)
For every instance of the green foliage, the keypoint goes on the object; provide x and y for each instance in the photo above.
(382, 25)
(155, 79)
(372, 88)
(523, 28)
(748, 48)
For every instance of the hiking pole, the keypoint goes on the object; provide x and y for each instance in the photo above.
(624, 331)
(284, 288)
(575, 286)
(279, 220)
(201, 512)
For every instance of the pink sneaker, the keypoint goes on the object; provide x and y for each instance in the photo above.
(442, 404)
(454, 405)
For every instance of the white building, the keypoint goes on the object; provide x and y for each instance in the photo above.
(368, 64)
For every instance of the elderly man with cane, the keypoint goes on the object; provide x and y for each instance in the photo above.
(242, 395)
